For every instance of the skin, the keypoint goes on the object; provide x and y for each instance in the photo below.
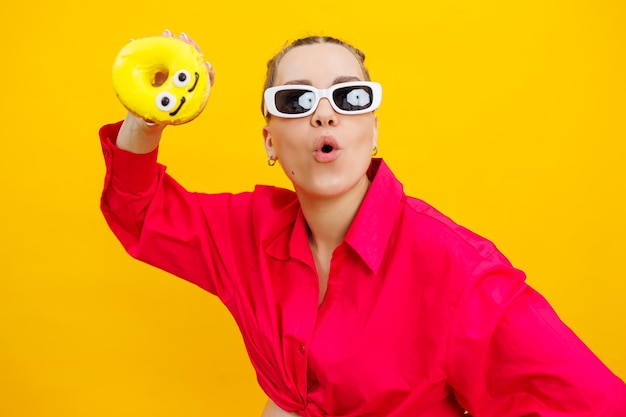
(272, 410)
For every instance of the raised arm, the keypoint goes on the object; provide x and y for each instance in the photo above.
(155, 218)
(138, 135)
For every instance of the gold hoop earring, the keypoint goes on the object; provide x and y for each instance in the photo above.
(375, 150)
(271, 162)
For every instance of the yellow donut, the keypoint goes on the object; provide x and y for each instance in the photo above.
(161, 79)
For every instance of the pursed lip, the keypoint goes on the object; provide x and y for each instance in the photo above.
(326, 149)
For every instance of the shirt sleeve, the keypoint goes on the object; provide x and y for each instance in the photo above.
(511, 355)
(159, 222)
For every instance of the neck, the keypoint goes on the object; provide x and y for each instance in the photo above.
(330, 218)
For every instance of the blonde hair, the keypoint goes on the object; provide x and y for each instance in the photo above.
(272, 64)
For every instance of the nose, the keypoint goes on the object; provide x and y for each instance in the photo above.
(324, 114)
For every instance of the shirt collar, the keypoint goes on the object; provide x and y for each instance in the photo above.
(372, 226)
(291, 242)
(370, 230)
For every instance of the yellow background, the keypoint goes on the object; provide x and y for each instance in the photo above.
(509, 116)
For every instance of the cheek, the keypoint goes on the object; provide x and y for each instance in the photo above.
(287, 138)
(364, 133)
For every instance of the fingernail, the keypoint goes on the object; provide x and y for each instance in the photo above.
(167, 32)
(184, 36)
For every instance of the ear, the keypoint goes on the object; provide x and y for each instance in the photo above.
(268, 142)
(375, 135)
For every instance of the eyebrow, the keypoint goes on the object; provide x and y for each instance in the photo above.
(341, 79)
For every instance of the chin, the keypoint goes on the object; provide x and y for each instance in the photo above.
(335, 187)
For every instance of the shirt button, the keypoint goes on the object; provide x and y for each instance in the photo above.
(302, 349)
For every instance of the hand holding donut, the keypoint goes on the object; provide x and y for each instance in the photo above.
(161, 80)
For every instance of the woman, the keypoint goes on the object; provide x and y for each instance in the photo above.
(353, 299)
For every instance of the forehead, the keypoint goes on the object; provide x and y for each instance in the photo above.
(319, 64)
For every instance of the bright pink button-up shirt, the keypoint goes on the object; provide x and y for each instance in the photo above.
(421, 317)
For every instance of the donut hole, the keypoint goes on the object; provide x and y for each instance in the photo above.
(159, 77)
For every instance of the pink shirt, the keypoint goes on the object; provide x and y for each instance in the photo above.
(421, 317)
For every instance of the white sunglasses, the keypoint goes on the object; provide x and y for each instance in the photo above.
(354, 97)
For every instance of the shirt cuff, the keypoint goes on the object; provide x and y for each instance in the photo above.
(126, 171)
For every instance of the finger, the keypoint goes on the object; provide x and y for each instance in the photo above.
(167, 33)
(153, 126)
(211, 72)
(190, 41)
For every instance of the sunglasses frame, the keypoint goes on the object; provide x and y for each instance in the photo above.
(270, 94)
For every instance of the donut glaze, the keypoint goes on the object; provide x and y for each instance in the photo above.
(161, 79)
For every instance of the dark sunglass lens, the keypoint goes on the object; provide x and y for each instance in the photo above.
(353, 98)
(294, 101)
